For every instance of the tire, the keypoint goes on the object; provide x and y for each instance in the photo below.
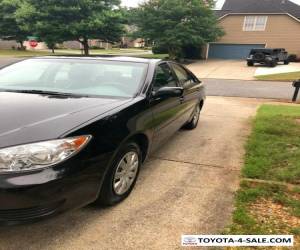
(286, 62)
(250, 64)
(259, 56)
(195, 120)
(112, 193)
(272, 63)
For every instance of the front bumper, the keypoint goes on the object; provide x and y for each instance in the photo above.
(26, 197)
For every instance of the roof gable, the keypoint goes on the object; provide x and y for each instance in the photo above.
(261, 6)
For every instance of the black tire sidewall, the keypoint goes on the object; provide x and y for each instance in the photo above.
(191, 125)
(107, 195)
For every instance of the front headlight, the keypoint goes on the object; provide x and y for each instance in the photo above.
(40, 155)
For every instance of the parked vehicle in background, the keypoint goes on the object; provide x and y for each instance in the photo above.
(77, 130)
(269, 57)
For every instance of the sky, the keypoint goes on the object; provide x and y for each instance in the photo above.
(134, 3)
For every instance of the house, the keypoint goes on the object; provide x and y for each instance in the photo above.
(127, 42)
(93, 43)
(256, 24)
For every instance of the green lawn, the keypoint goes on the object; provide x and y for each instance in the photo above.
(30, 53)
(154, 56)
(273, 149)
(18, 53)
(272, 156)
(280, 77)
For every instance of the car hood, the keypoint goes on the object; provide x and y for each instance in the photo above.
(29, 118)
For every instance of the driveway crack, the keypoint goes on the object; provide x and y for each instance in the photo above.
(193, 163)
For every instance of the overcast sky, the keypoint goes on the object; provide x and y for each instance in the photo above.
(134, 3)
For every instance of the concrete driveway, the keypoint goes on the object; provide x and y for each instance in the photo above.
(187, 187)
(223, 69)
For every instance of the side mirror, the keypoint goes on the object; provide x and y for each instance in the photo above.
(168, 92)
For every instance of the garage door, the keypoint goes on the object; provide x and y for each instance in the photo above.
(231, 51)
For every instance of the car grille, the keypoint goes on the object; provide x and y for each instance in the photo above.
(28, 213)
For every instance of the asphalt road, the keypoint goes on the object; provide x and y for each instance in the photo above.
(252, 89)
(187, 187)
(8, 60)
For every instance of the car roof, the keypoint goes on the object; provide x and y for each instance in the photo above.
(104, 58)
(267, 49)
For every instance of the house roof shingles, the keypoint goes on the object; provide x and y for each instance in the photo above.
(259, 6)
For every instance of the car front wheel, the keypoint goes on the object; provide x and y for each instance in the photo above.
(122, 176)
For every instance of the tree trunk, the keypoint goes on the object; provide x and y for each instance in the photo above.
(172, 53)
(21, 45)
(52, 49)
(85, 45)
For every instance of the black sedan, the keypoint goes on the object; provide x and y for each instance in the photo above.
(76, 130)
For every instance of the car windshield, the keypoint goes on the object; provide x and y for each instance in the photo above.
(93, 77)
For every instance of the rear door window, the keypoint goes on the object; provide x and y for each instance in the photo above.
(184, 77)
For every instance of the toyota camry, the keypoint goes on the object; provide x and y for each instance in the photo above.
(76, 131)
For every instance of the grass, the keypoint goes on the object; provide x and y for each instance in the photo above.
(249, 218)
(292, 76)
(272, 154)
(30, 53)
(154, 56)
(273, 149)
(26, 53)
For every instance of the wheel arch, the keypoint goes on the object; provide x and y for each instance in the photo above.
(143, 141)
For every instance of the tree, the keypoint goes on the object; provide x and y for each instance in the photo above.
(9, 28)
(175, 24)
(80, 20)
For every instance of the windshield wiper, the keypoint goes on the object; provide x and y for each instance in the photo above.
(43, 92)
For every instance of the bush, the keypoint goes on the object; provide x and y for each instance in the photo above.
(96, 47)
(191, 52)
(22, 49)
(159, 49)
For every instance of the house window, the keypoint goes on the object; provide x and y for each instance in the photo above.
(255, 23)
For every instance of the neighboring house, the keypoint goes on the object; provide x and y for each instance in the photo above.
(93, 43)
(8, 44)
(127, 42)
(256, 24)
(12, 44)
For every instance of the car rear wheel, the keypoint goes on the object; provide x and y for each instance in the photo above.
(122, 176)
(286, 62)
(195, 120)
(271, 62)
(249, 63)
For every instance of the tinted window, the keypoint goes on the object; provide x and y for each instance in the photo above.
(88, 77)
(183, 76)
(164, 77)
